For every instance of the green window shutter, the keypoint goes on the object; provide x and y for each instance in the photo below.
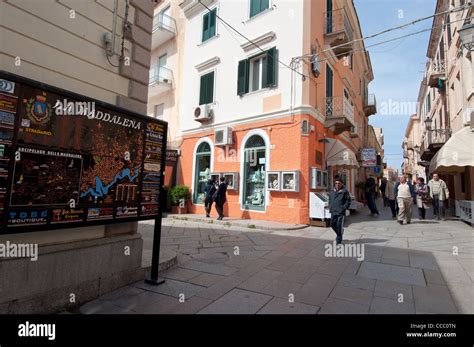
(202, 91)
(205, 27)
(210, 88)
(264, 5)
(254, 7)
(206, 95)
(270, 79)
(243, 77)
(212, 23)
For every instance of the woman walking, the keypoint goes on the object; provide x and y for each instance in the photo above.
(422, 195)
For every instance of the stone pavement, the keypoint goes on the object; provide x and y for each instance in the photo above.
(424, 267)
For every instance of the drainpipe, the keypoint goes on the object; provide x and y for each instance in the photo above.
(114, 25)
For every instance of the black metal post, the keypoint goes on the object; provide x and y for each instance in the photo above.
(155, 257)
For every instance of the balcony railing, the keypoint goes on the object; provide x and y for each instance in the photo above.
(436, 71)
(161, 80)
(339, 29)
(164, 21)
(164, 28)
(437, 137)
(370, 105)
(160, 74)
(339, 106)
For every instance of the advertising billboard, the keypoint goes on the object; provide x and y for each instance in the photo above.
(67, 160)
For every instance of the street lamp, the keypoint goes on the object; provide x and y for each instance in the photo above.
(467, 36)
(428, 122)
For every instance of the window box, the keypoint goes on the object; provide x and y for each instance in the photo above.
(274, 181)
(290, 181)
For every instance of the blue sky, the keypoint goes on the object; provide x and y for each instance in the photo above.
(398, 66)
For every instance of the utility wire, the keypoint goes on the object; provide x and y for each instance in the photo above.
(394, 39)
(457, 9)
(253, 43)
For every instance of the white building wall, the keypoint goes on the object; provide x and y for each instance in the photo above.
(285, 20)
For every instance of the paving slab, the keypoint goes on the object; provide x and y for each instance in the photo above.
(337, 306)
(388, 306)
(282, 306)
(237, 301)
(392, 273)
(433, 299)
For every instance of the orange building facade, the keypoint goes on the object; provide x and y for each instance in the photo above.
(299, 135)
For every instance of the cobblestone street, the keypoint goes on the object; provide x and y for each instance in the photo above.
(425, 267)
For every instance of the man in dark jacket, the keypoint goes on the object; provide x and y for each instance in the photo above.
(220, 198)
(339, 202)
(209, 191)
(371, 195)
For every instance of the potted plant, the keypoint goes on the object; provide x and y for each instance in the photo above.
(179, 198)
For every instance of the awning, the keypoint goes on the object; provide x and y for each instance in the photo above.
(338, 154)
(456, 153)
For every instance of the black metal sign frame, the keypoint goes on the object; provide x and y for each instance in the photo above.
(16, 147)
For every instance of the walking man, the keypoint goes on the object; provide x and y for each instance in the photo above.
(370, 195)
(390, 194)
(383, 190)
(339, 202)
(209, 191)
(404, 193)
(439, 193)
(422, 192)
(220, 198)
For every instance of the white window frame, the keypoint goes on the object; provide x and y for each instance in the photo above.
(260, 82)
(200, 41)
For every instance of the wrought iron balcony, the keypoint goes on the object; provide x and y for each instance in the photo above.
(338, 32)
(370, 105)
(339, 113)
(436, 71)
(437, 137)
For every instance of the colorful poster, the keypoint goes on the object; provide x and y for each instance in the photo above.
(66, 159)
(369, 157)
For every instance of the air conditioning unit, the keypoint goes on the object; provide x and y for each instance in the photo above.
(468, 117)
(316, 66)
(223, 137)
(203, 113)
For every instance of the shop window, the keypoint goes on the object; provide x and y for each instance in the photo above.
(254, 174)
(202, 172)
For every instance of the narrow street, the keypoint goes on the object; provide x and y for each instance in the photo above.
(424, 267)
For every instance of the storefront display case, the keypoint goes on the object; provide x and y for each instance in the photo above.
(232, 180)
(273, 181)
(319, 178)
(290, 181)
(215, 176)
